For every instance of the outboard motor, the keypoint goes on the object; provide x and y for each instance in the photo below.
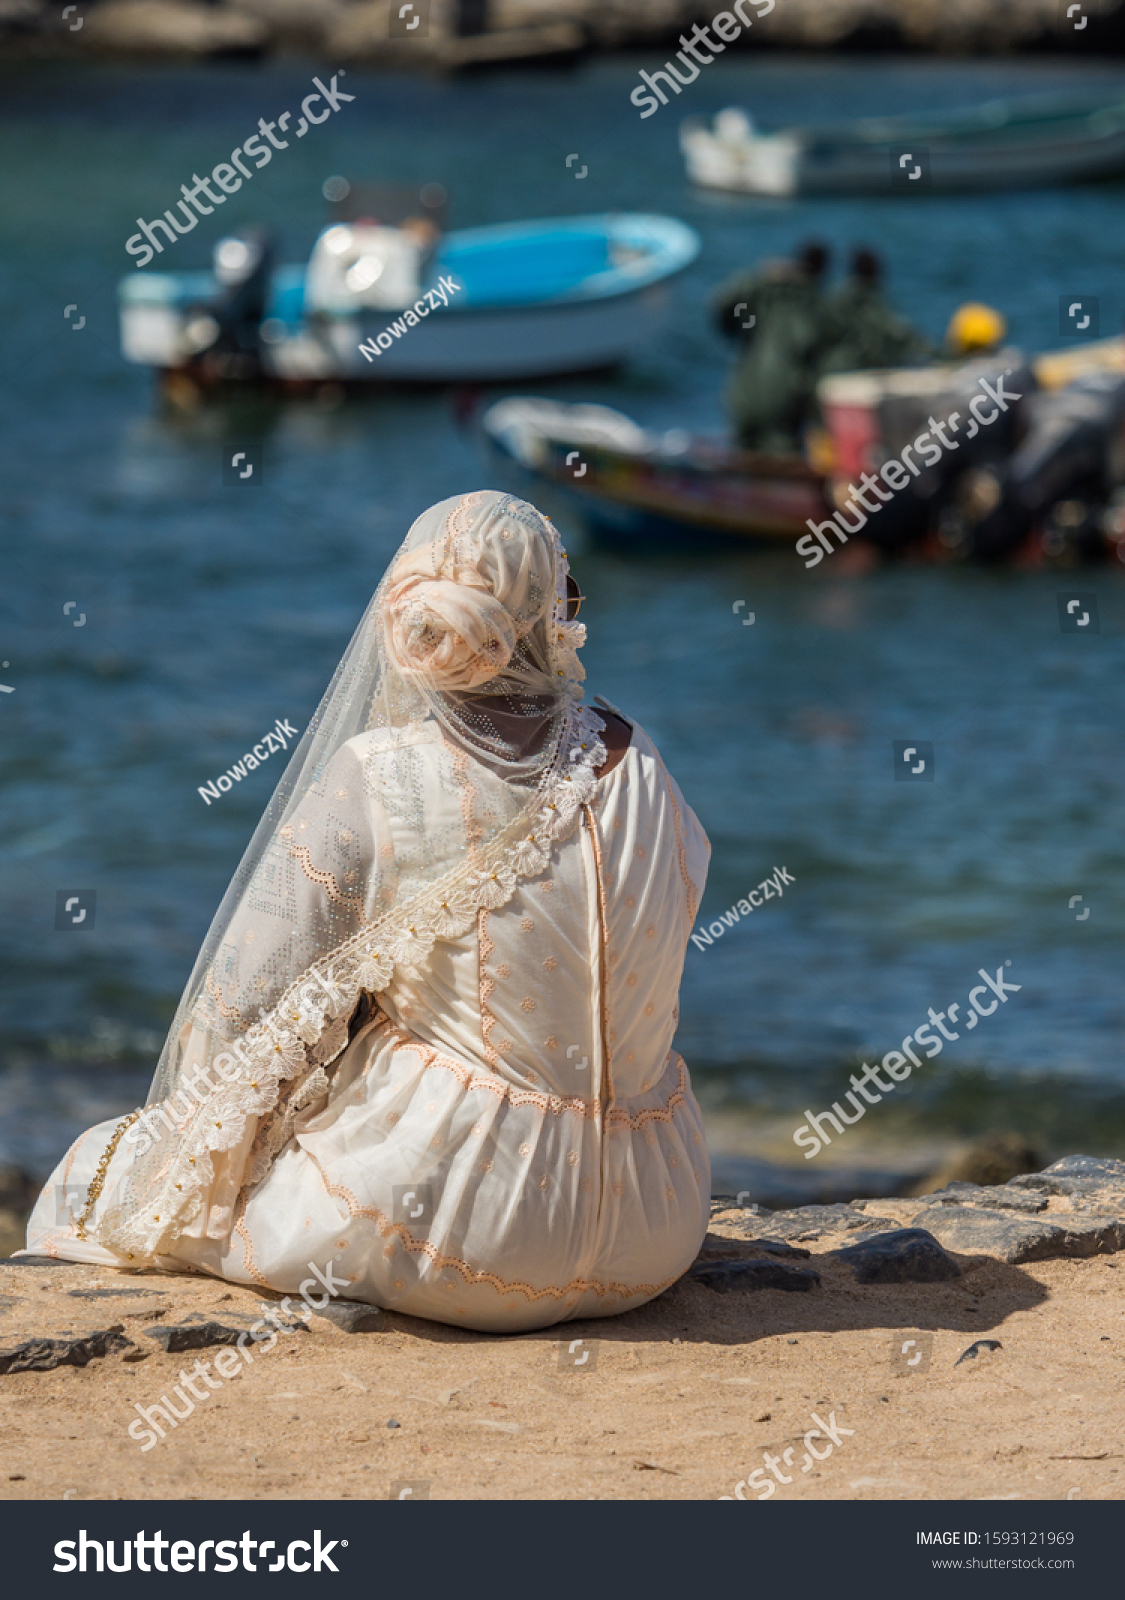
(227, 329)
(1063, 461)
(967, 481)
(905, 415)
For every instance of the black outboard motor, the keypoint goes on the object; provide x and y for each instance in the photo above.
(943, 425)
(1064, 456)
(231, 322)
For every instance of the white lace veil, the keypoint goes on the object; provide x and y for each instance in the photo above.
(447, 755)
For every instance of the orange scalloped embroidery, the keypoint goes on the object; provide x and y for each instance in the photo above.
(469, 1078)
(485, 948)
(327, 881)
(232, 1013)
(471, 1275)
(248, 1244)
(666, 1113)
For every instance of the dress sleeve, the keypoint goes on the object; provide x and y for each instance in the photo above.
(266, 1020)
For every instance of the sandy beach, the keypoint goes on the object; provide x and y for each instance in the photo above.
(683, 1399)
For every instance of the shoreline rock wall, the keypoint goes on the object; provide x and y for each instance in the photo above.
(451, 34)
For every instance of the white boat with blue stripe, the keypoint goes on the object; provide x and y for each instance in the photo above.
(377, 303)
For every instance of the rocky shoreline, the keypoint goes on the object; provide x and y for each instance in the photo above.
(455, 34)
(965, 1344)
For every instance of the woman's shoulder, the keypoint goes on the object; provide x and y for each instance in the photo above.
(635, 737)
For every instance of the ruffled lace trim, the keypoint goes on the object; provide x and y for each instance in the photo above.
(309, 1025)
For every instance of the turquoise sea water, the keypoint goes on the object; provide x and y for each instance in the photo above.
(210, 611)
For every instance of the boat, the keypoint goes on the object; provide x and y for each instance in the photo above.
(377, 303)
(1042, 481)
(1031, 142)
(635, 487)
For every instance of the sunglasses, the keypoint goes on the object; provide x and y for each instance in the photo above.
(574, 599)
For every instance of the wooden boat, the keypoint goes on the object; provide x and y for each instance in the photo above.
(1035, 142)
(520, 300)
(637, 488)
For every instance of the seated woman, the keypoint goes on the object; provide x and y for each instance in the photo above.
(426, 1048)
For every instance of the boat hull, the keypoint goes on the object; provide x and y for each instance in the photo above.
(507, 344)
(1001, 146)
(702, 492)
(963, 169)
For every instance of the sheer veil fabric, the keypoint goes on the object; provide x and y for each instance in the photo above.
(463, 664)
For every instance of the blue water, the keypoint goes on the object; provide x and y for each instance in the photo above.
(211, 611)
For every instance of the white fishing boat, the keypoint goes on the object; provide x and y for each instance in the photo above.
(1004, 144)
(375, 304)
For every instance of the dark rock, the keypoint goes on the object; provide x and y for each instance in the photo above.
(193, 1336)
(44, 1355)
(1086, 1177)
(196, 1331)
(974, 1350)
(1017, 1239)
(35, 1261)
(1093, 1233)
(288, 1323)
(997, 1197)
(971, 1218)
(352, 1317)
(907, 1255)
(724, 1275)
(716, 1247)
(995, 1233)
(815, 1220)
(110, 1294)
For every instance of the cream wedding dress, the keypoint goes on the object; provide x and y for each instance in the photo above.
(509, 1139)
